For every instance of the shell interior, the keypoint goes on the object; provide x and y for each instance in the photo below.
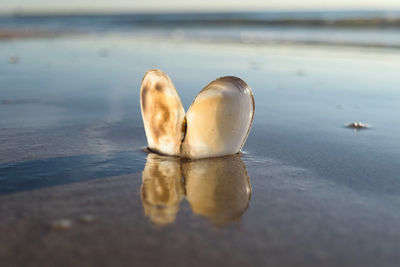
(162, 112)
(216, 124)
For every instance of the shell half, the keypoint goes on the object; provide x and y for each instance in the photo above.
(162, 112)
(219, 119)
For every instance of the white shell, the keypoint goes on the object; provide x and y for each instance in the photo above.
(217, 123)
(162, 113)
(219, 120)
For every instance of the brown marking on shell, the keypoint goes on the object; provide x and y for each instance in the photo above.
(143, 95)
(161, 125)
(162, 112)
(159, 86)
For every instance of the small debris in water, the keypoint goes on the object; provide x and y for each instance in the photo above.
(13, 59)
(87, 218)
(357, 126)
(61, 225)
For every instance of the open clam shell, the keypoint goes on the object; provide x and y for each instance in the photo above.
(219, 120)
(216, 124)
(162, 112)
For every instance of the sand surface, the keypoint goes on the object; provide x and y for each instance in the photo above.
(76, 187)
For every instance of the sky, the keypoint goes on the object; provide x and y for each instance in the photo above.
(11, 6)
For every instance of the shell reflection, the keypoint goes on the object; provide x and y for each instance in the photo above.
(162, 188)
(218, 189)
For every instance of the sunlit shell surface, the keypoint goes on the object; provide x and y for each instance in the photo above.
(219, 120)
(216, 124)
(162, 113)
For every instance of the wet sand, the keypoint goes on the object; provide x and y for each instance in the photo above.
(76, 187)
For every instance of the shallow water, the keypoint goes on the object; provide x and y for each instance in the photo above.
(218, 189)
(72, 144)
(376, 28)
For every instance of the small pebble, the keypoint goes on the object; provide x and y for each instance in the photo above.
(357, 125)
(61, 225)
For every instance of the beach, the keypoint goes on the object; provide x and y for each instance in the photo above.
(77, 186)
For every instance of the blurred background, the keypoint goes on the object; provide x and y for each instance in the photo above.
(353, 22)
(359, 23)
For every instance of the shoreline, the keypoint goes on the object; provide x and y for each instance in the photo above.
(10, 34)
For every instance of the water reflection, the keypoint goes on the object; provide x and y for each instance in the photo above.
(162, 188)
(218, 188)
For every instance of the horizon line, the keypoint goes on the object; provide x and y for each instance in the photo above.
(56, 12)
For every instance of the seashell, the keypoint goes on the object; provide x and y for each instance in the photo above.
(162, 112)
(219, 120)
(216, 124)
